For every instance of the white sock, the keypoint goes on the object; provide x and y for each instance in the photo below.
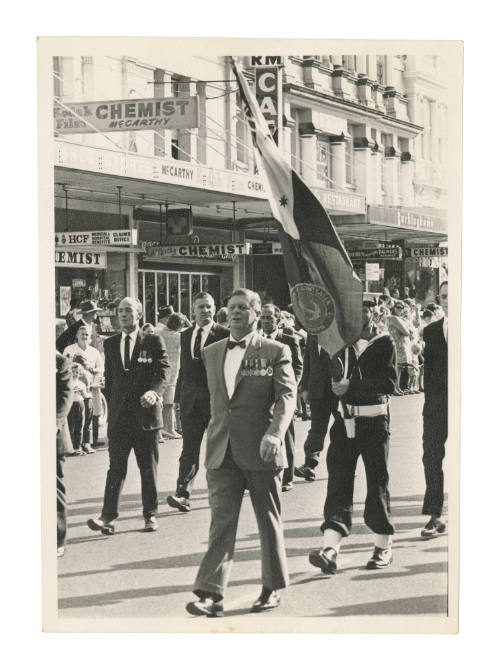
(332, 539)
(383, 541)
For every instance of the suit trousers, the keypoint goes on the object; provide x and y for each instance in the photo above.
(75, 422)
(434, 438)
(321, 411)
(194, 424)
(122, 439)
(290, 454)
(372, 443)
(226, 486)
(61, 503)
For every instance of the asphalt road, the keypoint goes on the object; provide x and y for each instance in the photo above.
(150, 575)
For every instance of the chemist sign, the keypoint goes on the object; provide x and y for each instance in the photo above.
(119, 115)
(96, 238)
(201, 251)
(66, 258)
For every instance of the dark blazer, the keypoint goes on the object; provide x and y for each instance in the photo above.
(64, 400)
(123, 390)
(374, 374)
(192, 383)
(435, 365)
(293, 344)
(316, 375)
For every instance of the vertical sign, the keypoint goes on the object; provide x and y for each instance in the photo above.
(269, 94)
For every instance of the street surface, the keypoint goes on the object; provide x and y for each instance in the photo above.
(135, 574)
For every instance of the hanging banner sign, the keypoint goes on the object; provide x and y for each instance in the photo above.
(201, 251)
(268, 91)
(68, 259)
(119, 115)
(381, 253)
(419, 252)
(96, 238)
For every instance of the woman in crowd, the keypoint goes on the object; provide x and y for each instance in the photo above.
(147, 329)
(87, 377)
(172, 339)
(400, 330)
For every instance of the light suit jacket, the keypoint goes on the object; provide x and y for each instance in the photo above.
(260, 403)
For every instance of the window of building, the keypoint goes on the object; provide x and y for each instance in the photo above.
(241, 131)
(323, 162)
(380, 69)
(349, 156)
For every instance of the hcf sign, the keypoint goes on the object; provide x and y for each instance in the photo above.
(268, 91)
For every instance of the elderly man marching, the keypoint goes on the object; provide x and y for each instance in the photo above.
(368, 379)
(252, 400)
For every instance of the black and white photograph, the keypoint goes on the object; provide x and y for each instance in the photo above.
(250, 276)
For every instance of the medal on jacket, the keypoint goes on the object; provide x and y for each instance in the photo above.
(143, 357)
(244, 368)
(270, 370)
(262, 367)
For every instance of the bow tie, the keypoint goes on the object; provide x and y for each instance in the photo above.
(233, 343)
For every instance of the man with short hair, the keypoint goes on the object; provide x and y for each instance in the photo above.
(89, 312)
(191, 392)
(269, 319)
(435, 417)
(135, 373)
(252, 399)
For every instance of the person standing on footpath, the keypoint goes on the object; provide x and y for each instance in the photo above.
(89, 312)
(269, 319)
(192, 392)
(435, 416)
(363, 429)
(252, 399)
(64, 400)
(135, 372)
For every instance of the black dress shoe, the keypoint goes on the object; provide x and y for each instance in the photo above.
(106, 528)
(286, 487)
(206, 606)
(305, 472)
(380, 558)
(179, 502)
(325, 559)
(268, 599)
(433, 527)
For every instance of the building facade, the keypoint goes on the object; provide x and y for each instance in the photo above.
(366, 133)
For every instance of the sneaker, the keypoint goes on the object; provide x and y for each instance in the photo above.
(325, 559)
(380, 558)
(151, 524)
(87, 449)
(433, 527)
(97, 524)
(179, 502)
(305, 472)
(60, 551)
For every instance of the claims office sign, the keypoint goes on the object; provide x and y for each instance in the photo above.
(119, 115)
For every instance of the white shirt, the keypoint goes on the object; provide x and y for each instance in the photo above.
(205, 330)
(133, 338)
(232, 362)
(271, 336)
(445, 328)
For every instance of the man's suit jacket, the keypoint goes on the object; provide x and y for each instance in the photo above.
(316, 375)
(191, 383)
(435, 366)
(260, 404)
(123, 389)
(64, 400)
(293, 344)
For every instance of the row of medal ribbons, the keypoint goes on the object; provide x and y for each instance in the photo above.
(256, 367)
(144, 358)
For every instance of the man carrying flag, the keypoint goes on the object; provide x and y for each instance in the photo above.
(326, 293)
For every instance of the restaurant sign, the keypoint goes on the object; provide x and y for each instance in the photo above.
(96, 238)
(119, 115)
(208, 250)
(73, 259)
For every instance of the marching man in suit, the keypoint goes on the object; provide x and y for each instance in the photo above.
(269, 320)
(192, 392)
(435, 416)
(135, 372)
(252, 400)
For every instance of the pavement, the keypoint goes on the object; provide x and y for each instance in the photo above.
(150, 575)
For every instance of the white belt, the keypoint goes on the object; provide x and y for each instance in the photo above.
(367, 410)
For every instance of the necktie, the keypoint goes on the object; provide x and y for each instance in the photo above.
(127, 352)
(197, 344)
(233, 343)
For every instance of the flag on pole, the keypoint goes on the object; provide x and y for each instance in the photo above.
(327, 295)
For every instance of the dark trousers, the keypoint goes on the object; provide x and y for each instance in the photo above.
(87, 420)
(290, 454)
(121, 440)
(194, 424)
(75, 422)
(321, 411)
(372, 443)
(61, 503)
(226, 486)
(434, 437)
